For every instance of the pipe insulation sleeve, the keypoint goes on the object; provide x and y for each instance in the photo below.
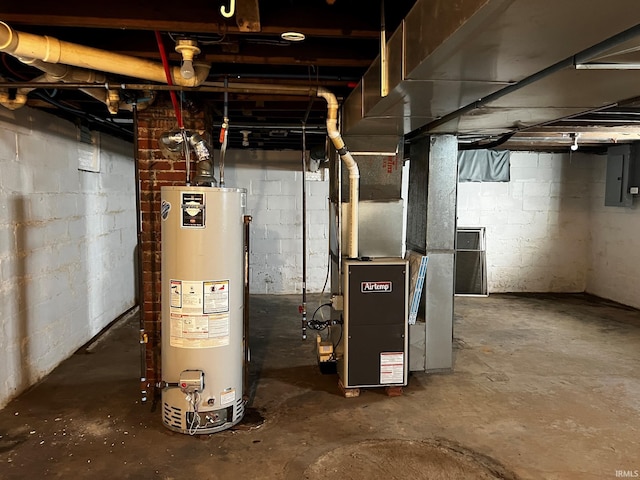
(52, 50)
(350, 163)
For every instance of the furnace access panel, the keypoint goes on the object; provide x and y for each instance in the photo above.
(375, 332)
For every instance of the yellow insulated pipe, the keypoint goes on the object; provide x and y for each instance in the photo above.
(48, 49)
(352, 167)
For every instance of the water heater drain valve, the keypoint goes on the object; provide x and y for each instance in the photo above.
(191, 381)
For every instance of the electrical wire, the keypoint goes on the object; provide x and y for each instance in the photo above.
(317, 325)
(201, 39)
(84, 115)
(10, 69)
(326, 278)
(48, 96)
(194, 400)
(335, 346)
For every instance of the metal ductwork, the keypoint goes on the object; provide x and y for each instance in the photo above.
(51, 50)
(483, 66)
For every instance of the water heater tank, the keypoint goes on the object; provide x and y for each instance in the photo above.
(202, 308)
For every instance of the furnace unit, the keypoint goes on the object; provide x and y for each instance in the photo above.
(203, 344)
(372, 346)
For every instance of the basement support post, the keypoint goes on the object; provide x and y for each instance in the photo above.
(431, 230)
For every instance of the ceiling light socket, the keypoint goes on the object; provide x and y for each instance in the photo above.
(574, 146)
(293, 36)
(245, 137)
(187, 47)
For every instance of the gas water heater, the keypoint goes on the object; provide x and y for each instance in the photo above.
(203, 344)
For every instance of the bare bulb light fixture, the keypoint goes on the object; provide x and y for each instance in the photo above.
(574, 146)
(188, 48)
(245, 137)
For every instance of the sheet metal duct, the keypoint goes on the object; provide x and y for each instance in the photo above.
(494, 66)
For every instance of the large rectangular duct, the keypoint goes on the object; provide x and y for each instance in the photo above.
(448, 57)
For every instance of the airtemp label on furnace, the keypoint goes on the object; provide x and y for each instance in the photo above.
(376, 287)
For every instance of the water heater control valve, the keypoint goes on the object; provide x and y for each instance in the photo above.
(191, 381)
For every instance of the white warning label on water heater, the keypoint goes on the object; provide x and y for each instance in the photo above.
(216, 296)
(391, 368)
(199, 313)
(228, 396)
(199, 331)
(176, 293)
(192, 297)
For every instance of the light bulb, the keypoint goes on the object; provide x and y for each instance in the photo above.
(187, 70)
(574, 146)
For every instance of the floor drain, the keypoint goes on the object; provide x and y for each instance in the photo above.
(403, 459)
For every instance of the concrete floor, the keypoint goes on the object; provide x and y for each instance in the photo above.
(544, 387)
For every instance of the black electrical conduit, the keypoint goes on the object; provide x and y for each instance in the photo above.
(303, 308)
(569, 62)
(247, 219)
(213, 87)
(116, 129)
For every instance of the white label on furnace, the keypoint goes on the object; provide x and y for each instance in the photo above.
(391, 368)
(216, 296)
(228, 396)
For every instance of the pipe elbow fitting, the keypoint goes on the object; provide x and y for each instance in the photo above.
(19, 101)
(113, 102)
(199, 146)
(8, 38)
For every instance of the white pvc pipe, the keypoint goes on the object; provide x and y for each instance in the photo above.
(350, 163)
(20, 98)
(52, 50)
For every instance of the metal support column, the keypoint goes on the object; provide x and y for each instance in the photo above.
(431, 230)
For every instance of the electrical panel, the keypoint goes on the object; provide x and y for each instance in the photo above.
(623, 175)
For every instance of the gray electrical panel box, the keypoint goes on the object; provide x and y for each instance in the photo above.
(623, 175)
(374, 344)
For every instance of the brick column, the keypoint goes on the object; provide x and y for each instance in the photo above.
(156, 171)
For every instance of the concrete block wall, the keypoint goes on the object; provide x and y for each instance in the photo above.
(615, 245)
(274, 199)
(537, 225)
(67, 244)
